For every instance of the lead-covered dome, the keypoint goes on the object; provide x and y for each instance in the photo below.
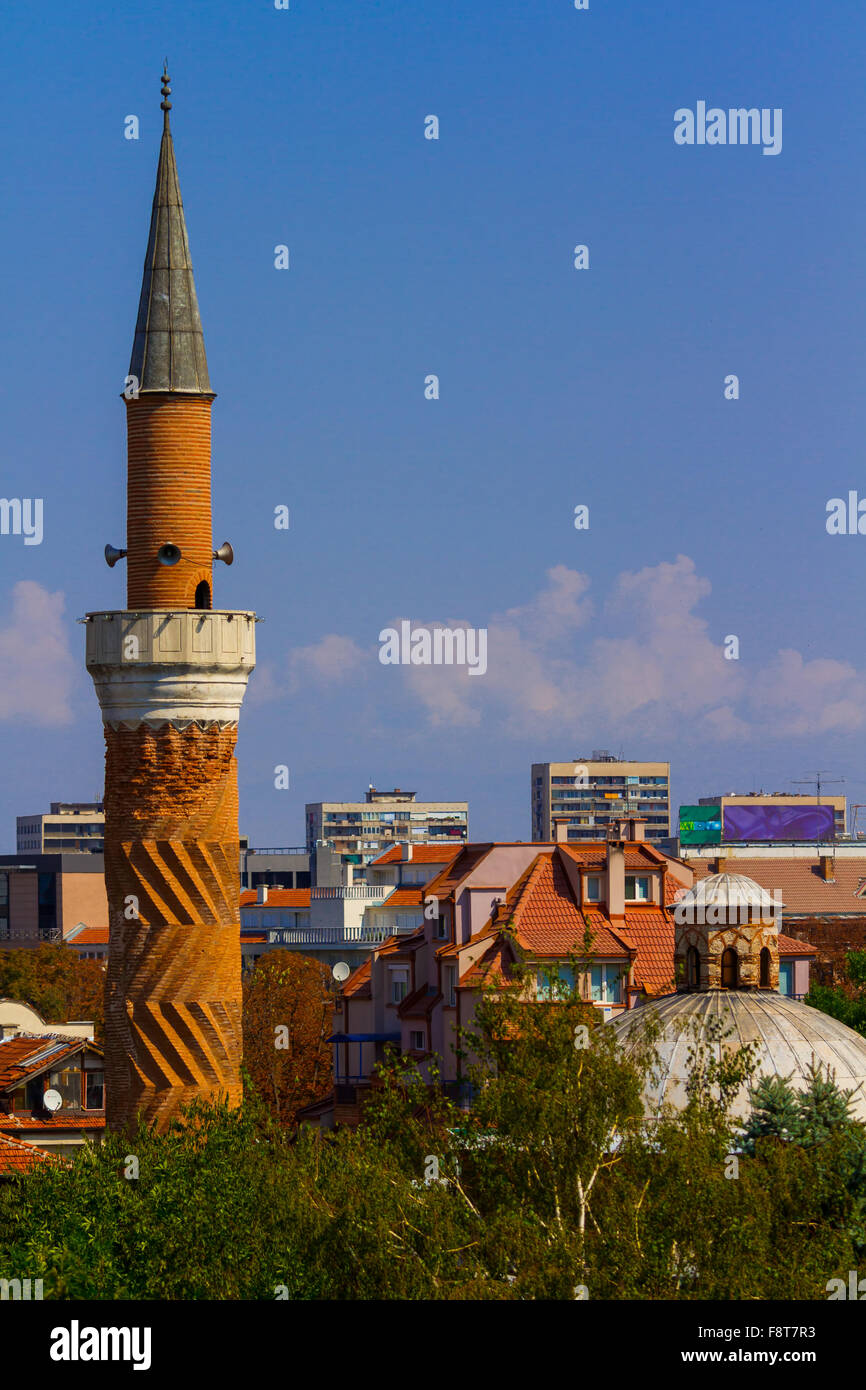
(790, 1037)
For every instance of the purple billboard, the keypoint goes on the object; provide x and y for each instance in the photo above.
(765, 821)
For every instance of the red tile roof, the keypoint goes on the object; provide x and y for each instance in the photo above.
(88, 936)
(405, 897)
(358, 983)
(799, 881)
(421, 854)
(790, 946)
(18, 1157)
(277, 897)
(25, 1054)
(51, 1122)
(651, 934)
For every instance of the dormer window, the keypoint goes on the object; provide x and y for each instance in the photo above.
(637, 888)
(592, 888)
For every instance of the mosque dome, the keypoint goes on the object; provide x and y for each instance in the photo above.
(728, 894)
(790, 1037)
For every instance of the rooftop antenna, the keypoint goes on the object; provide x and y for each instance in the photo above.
(817, 779)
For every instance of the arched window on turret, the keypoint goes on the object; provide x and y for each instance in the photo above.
(729, 968)
(693, 968)
(202, 595)
(765, 968)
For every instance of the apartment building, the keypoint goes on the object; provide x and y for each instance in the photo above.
(340, 924)
(70, 827)
(360, 830)
(45, 897)
(758, 816)
(589, 794)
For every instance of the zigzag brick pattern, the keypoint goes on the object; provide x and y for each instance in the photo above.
(173, 986)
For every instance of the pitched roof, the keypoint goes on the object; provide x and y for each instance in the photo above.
(421, 854)
(18, 1157)
(358, 983)
(87, 936)
(800, 883)
(405, 897)
(26, 1054)
(790, 946)
(651, 934)
(51, 1122)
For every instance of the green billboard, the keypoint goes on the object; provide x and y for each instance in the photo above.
(700, 825)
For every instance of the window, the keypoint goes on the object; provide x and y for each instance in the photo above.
(558, 987)
(94, 1090)
(729, 969)
(693, 968)
(606, 984)
(202, 595)
(765, 967)
(68, 1083)
(636, 888)
(399, 984)
(451, 985)
(592, 888)
(416, 1042)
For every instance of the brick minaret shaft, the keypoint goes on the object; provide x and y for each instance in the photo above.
(170, 672)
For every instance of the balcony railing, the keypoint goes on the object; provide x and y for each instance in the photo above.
(328, 937)
(358, 891)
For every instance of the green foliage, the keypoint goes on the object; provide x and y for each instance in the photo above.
(551, 1180)
(54, 981)
(847, 1002)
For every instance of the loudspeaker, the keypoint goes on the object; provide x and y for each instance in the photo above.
(225, 553)
(112, 555)
(168, 554)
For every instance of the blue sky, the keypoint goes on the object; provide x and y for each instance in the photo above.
(557, 387)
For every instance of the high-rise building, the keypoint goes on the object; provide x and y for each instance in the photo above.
(360, 830)
(71, 827)
(170, 672)
(588, 793)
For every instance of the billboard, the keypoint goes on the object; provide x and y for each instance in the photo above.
(766, 821)
(700, 825)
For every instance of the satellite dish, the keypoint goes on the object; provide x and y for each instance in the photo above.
(341, 971)
(52, 1100)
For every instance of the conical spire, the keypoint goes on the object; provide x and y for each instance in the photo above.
(168, 352)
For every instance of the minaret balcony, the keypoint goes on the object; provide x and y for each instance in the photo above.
(177, 666)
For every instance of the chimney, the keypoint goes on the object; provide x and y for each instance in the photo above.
(636, 828)
(405, 851)
(828, 868)
(721, 864)
(560, 830)
(262, 893)
(615, 876)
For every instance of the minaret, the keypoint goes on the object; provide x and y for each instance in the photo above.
(170, 672)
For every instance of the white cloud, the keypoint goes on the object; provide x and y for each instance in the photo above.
(37, 670)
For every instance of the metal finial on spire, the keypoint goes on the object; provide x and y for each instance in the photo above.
(165, 104)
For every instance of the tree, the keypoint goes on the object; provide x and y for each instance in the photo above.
(55, 982)
(846, 1001)
(288, 1005)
